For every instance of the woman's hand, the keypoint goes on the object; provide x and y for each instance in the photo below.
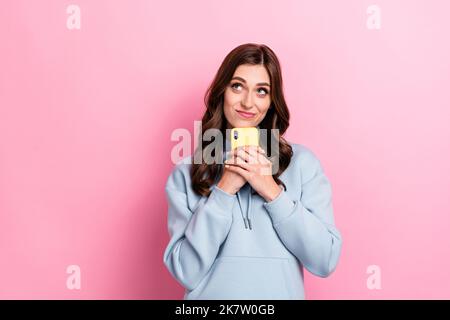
(231, 182)
(251, 163)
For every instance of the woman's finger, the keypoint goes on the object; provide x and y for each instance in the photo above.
(252, 150)
(258, 153)
(241, 153)
(253, 156)
(238, 161)
(237, 169)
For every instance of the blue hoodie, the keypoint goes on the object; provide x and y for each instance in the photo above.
(240, 247)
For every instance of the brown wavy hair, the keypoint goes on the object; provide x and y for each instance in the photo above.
(203, 175)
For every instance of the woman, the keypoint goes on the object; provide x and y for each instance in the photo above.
(237, 233)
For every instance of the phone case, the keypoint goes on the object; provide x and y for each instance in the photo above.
(248, 136)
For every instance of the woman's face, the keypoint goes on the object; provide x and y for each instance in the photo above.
(247, 96)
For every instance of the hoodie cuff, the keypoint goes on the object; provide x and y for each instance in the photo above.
(223, 199)
(280, 207)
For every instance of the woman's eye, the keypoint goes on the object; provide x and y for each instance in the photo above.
(236, 86)
(263, 91)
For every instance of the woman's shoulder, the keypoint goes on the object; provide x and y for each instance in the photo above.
(305, 158)
(179, 176)
(303, 153)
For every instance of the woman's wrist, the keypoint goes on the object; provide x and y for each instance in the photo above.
(272, 193)
(223, 187)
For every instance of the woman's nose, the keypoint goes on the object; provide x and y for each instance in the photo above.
(247, 101)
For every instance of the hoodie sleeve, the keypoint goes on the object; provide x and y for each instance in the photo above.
(195, 236)
(306, 227)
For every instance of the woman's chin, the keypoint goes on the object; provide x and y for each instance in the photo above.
(243, 123)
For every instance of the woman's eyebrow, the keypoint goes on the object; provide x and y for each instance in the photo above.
(258, 84)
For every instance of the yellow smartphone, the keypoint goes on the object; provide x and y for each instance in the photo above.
(247, 136)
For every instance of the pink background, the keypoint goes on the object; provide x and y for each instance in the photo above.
(86, 117)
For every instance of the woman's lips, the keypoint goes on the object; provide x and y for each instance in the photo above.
(246, 115)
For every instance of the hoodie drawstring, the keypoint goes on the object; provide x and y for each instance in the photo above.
(247, 220)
